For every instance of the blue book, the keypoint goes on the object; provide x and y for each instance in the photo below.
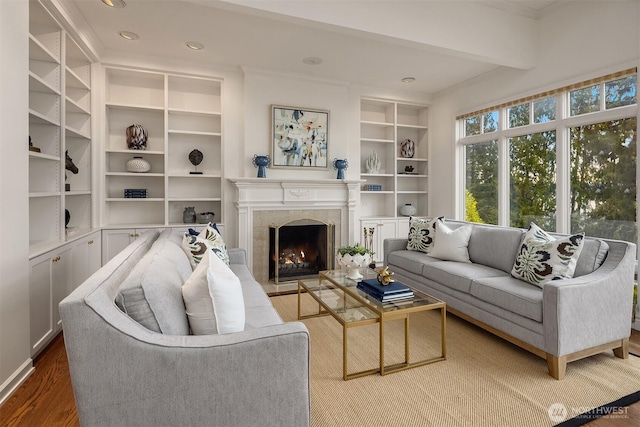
(391, 288)
(396, 296)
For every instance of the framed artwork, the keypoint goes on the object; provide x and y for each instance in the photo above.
(299, 137)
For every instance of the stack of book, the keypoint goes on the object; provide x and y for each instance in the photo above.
(135, 193)
(373, 187)
(393, 292)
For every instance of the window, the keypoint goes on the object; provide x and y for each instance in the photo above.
(568, 156)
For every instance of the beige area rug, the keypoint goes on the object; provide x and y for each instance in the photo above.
(485, 380)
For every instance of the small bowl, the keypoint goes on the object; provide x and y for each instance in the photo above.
(206, 217)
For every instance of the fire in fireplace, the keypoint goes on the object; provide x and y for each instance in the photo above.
(299, 249)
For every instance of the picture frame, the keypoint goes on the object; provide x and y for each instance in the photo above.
(299, 137)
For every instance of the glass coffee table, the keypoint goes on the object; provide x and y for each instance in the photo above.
(339, 297)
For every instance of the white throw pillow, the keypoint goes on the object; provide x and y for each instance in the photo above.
(543, 258)
(213, 298)
(451, 245)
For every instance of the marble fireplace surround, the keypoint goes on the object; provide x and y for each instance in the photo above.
(262, 202)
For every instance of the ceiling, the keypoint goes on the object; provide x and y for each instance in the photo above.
(361, 42)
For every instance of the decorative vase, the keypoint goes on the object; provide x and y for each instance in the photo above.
(138, 165)
(408, 210)
(205, 217)
(340, 165)
(189, 215)
(261, 162)
(373, 163)
(137, 137)
(353, 263)
(408, 148)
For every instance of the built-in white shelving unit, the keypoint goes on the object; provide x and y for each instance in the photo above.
(180, 113)
(384, 125)
(59, 122)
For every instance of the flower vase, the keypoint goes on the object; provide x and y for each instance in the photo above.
(353, 263)
(261, 162)
(340, 165)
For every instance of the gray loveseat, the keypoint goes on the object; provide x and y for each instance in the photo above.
(126, 372)
(563, 321)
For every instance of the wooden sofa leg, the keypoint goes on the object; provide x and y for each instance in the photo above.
(623, 351)
(557, 366)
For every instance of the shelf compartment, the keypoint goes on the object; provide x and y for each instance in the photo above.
(373, 110)
(79, 206)
(46, 106)
(128, 87)
(80, 152)
(44, 175)
(412, 116)
(46, 137)
(78, 100)
(192, 93)
(130, 212)
(176, 208)
(117, 162)
(44, 77)
(194, 122)
(194, 187)
(78, 65)
(116, 184)
(181, 144)
(44, 220)
(377, 203)
(120, 118)
(40, 52)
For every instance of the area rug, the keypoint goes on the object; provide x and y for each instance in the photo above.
(485, 381)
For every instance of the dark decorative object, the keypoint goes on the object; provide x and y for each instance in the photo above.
(408, 169)
(195, 157)
(71, 167)
(340, 165)
(261, 162)
(205, 217)
(189, 215)
(137, 137)
(384, 276)
(31, 147)
(67, 218)
(408, 148)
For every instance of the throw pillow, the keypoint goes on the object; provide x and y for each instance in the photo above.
(196, 245)
(543, 258)
(213, 298)
(451, 245)
(421, 234)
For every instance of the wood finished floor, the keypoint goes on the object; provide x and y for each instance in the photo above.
(46, 397)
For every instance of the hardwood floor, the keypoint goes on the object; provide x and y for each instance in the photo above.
(46, 397)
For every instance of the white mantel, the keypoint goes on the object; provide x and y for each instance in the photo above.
(267, 194)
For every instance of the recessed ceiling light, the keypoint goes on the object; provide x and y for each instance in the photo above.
(408, 80)
(129, 35)
(312, 60)
(195, 45)
(118, 4)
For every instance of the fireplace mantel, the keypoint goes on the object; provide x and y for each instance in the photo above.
(268, 194)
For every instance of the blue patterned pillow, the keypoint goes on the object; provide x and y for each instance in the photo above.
(542, 258)
(195, 246)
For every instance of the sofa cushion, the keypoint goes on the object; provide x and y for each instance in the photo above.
(410, 260)
(195, 246)
(458, 275)
(592, 256)
(258, 317)
(511, 294)
(451, 244)
(494, 246)
(151, 294)
(421, 234)
(213, 298)
(543, 258)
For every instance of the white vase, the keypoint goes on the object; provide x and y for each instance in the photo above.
(408, 210)
(353, 263)
(138, 165)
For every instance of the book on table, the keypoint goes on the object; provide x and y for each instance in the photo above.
(394, 291)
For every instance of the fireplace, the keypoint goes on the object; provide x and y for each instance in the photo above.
(300, 249)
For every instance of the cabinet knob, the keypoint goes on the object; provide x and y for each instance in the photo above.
(132, 234)
(90, 242)
(56, 259)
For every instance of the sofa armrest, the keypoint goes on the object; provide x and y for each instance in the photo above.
(237, 256)
(393, 244)
(591, 310)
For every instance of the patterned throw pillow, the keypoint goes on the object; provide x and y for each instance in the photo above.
(196, 246)
(542, 258)
(421, 234)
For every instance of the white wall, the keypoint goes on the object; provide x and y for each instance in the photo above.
(15, 361)
(578, 41)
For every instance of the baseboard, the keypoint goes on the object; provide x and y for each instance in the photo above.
(16, 380)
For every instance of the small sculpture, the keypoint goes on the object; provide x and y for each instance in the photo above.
(408, 148)
(408, 169)
(195, 157)
(137, 137)
(384, 276)
(71, 167)
(373, 163)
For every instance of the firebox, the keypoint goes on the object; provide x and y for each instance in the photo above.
(299, 249)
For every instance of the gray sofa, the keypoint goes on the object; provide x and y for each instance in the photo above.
(563, 321)
(152, 372)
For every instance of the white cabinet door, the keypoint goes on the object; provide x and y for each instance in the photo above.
(382, 229)
(40, 302)
(87, 258)
(114, 241)
(61, 281)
